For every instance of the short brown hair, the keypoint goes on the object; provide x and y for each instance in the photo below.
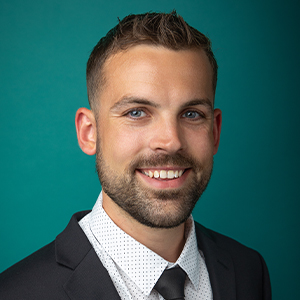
(161, 29)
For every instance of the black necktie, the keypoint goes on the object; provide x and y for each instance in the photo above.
(171, 284)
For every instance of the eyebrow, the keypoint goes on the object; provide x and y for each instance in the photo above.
(125, 101)
(205, 102)
(133, 100)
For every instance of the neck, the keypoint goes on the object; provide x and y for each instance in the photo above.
(166, 242)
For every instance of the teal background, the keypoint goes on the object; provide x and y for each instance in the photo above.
(253, 195)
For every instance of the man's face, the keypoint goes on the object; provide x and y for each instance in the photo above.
(156, 132)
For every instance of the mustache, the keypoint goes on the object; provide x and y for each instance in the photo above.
(156, 160)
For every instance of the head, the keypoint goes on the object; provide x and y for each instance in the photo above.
(168, 30)
(152, 124)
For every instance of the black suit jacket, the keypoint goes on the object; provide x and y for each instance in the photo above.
(68, 268)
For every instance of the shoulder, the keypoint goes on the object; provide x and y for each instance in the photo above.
(235, 249)
(41, 273)
(27, 279)
(247, 265)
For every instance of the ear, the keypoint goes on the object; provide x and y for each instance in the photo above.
(217, 128)
(86, 130)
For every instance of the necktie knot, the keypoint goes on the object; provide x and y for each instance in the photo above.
(171, 284)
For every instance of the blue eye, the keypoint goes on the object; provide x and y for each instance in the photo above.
(136, 113)
(191, 115)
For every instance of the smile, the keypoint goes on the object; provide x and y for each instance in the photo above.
(164, 177)
(163, 174)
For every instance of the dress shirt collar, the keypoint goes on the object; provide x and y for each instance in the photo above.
(142, 265)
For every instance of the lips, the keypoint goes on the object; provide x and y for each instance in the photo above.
(164, 178)
(163, 174)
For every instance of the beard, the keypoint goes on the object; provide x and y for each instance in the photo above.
(151, 207)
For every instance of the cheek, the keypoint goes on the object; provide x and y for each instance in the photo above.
(201, 145)
(120, 147)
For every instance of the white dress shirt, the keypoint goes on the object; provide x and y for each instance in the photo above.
(135, 269)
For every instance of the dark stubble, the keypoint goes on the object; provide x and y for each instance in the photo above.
(154, 208)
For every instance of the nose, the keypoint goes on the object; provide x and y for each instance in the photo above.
(166, 137)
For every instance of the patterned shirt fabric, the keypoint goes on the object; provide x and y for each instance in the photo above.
(135, 269)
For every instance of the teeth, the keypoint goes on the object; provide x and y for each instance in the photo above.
(156, 174)
(163, 174)
(171, 174)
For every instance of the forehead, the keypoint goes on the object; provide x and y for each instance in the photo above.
(159, 73)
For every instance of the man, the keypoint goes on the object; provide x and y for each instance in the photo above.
(153, 127)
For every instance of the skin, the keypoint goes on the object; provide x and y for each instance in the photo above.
(155, 102)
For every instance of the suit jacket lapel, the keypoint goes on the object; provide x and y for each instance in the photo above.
(89, 279)
(219, 265)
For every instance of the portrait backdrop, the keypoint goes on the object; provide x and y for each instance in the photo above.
(253, 195)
